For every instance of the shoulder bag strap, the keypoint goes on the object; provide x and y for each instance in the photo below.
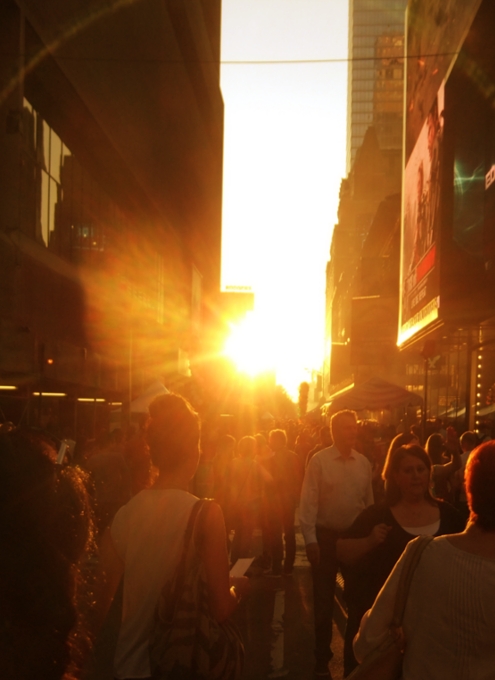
(181, 567)
(408, 568)
(204, 504)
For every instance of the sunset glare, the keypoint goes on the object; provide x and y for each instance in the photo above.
(284, 158)
(247, 347)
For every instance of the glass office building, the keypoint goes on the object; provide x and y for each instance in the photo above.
(376, 73)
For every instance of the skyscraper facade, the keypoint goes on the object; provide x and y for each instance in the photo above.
(376, 73)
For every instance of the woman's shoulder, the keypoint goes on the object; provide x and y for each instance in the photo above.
(368, 518)
(463, 547)
(379, 511)
(133, 506)
(152, 500)
(212, 521)
(442, 550)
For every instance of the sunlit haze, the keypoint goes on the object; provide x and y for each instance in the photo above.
(284, 159)
(248, 347)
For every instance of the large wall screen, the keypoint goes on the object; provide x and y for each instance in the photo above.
(473, 225)
(420, 282)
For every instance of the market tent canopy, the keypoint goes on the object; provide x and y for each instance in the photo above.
(140, 405)
(372, 395)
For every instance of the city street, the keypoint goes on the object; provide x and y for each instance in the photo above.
(247, 254)
(276, 621)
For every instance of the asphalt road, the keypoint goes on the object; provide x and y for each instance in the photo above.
(276, 622)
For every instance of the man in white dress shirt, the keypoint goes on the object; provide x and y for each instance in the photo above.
(336, 488)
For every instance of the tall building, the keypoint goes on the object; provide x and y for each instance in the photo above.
(374, 155)
(111, 143)
(361, 194)
(376, 73)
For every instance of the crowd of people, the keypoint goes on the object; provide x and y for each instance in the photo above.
(130, 506)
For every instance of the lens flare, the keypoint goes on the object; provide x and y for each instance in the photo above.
(248, 347)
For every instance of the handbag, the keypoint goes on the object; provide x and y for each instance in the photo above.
(186, 642)
(385, 662)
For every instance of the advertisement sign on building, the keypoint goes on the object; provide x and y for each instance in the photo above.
(420, 283)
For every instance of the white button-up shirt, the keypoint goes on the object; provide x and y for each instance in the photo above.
(335, 490)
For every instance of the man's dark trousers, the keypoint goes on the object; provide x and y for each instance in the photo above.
(289, 530)
(324, 576)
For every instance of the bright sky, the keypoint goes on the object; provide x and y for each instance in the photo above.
(285, 129)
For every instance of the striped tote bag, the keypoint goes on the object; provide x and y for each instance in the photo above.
(187, 643)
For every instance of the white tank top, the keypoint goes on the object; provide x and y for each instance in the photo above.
(148, 534)
(427, 530)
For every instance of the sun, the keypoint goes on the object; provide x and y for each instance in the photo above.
(261, 343)
(248, 346)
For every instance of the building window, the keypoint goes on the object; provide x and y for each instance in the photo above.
(51, 191)
(72, 214)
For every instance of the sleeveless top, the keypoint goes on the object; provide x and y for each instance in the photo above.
(148, 534)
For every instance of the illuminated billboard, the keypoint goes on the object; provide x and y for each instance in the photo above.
(420, 277)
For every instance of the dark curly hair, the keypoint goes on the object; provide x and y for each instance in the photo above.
(46, 528)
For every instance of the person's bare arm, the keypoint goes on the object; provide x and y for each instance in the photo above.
(110, 571)
(223, 597)
(452, 446)
(351, 550)
(442, 472)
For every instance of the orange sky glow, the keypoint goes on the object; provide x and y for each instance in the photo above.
(284, 158)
